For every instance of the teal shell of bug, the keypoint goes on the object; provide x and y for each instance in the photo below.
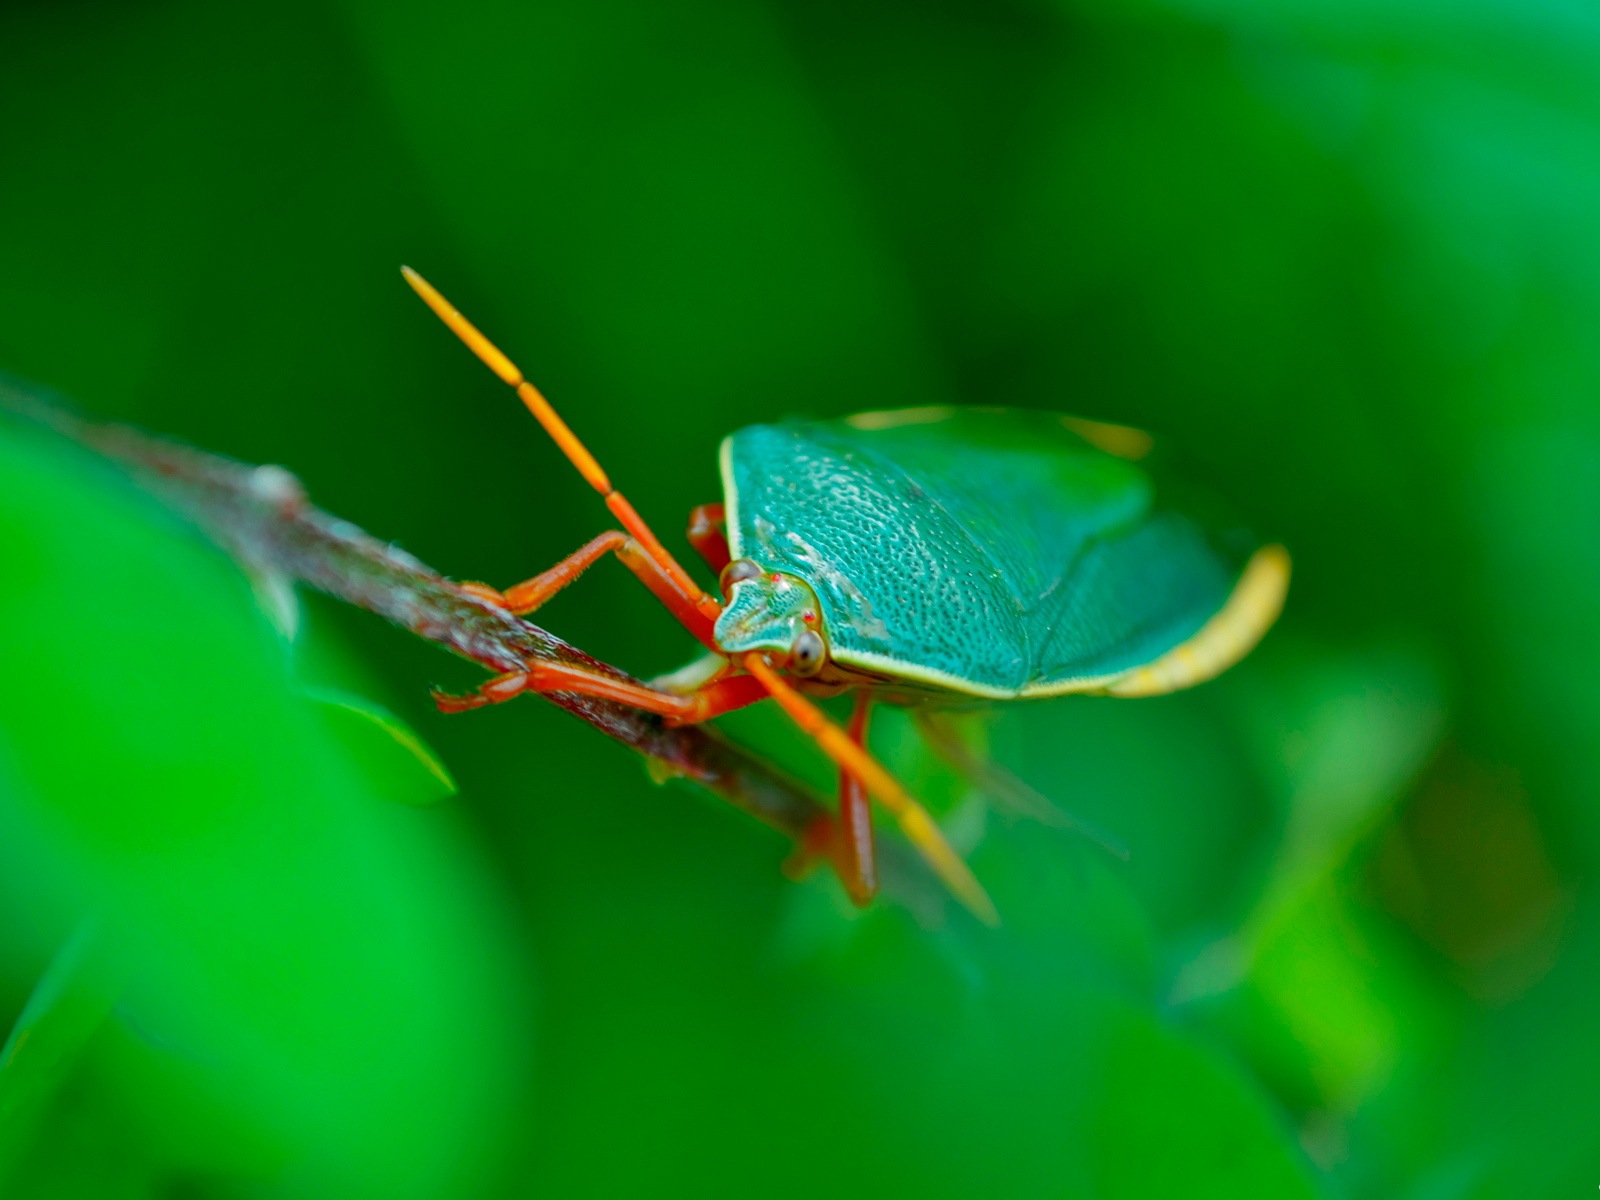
(989, 552)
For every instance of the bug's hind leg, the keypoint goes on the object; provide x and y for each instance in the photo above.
(920, 828)
(708, 534)
(854, 855)
(846, 840)
(940, 734)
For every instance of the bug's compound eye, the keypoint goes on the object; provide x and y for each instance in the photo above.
(808, 653)
(738, 571)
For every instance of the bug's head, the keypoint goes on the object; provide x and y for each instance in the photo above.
(775, 612)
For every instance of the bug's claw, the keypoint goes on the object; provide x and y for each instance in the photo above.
(812, 849)
(482, 591)
(449, 703)
(497, 691)
(824, 842)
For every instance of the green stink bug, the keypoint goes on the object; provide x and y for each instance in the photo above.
(916, 555)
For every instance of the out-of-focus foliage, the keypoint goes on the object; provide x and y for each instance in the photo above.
(1344, 258)
(266, 965)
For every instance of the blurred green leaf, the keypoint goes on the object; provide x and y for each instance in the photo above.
(323, 960)
(397, 761)
(66, 1008)
(1176, 1119)
(1343, 258)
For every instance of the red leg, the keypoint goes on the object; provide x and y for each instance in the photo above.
(708, 534)
(846, 840)
(732, 692)
(920, 828)
(854, 857)
(531, 594)
(715, 698)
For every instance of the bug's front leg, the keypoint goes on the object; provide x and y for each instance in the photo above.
(529, 595)
(712, 699)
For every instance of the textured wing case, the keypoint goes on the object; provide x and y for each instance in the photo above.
(992, 551)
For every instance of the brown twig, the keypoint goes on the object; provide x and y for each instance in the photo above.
(263, 516)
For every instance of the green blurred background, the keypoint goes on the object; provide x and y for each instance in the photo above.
(1343, 258)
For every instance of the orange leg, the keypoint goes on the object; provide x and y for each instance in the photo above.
(737, 691)
(531, 594)
(846, 840)
(920, 828)
(715, 698)
(708, 534)
(854, 857)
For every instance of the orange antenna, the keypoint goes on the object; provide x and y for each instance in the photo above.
(920, 828)
(913, 819)
(576, 452)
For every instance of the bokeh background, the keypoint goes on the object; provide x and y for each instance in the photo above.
(1343, 258)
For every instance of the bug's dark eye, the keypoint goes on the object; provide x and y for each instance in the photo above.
(808, 653)
(737, 571)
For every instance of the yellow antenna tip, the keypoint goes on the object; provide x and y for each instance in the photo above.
(464, 329)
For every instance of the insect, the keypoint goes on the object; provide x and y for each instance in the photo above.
(920, 556)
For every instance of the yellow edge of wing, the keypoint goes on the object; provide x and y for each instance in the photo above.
(730, 497)
(1251, 610)
(893, 418)
(1123, 441)
(899, 670)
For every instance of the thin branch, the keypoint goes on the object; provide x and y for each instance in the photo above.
(263, 516)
